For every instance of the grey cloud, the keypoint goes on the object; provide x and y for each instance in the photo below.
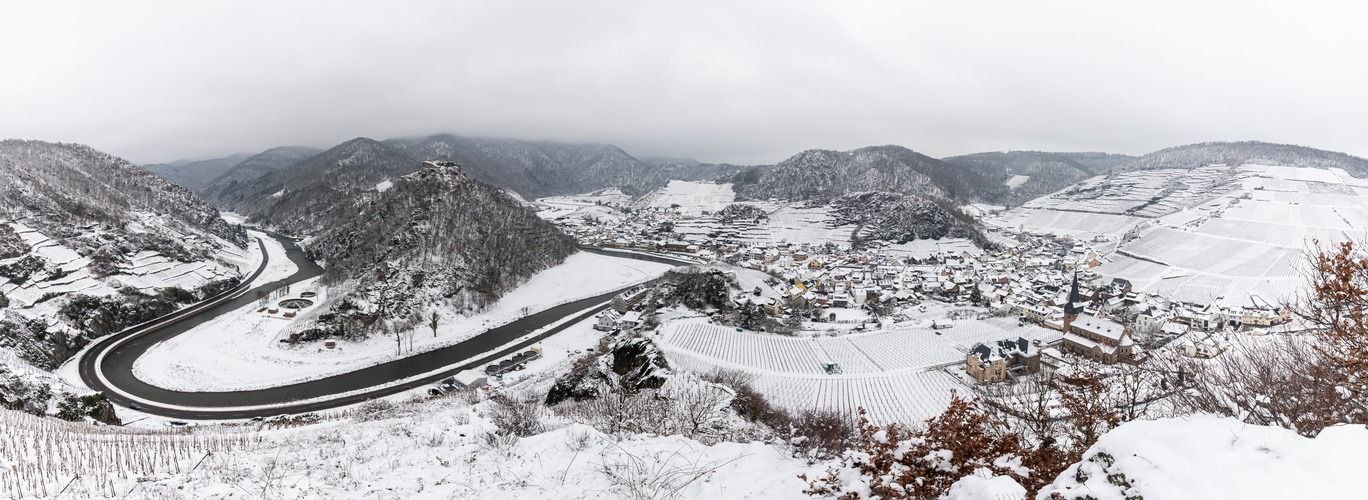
(742, 82)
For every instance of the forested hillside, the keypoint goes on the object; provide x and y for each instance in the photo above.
(62, 188)
(90, 243)
(436, 236)
(294, 199)
(1016, 177)
(822, 175)
(900, 218)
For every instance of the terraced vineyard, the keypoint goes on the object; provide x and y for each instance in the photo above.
(890, 373)
(1214, 234)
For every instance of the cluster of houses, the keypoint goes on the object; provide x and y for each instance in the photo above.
(620, 316)
(1044, 279)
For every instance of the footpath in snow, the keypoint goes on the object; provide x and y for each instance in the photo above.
(241, 350)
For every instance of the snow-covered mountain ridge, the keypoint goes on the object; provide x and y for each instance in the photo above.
(1248, 152)
(89, 244)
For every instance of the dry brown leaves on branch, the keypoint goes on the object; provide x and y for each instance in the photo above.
(1335, 308)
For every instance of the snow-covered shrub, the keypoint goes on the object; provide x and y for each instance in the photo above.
(697, 409)
(376, 409)
(685, 406)
(898, 462)
(814, 434)
(817, 434)
(1280, 381)
(498, 441)
(659, 475)
(580, 438)
(96, 406)
(616, 411)
(748, 402)
(516, 414)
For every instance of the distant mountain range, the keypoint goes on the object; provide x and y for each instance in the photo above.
(251, 169)
(194, 175)
(293, 197)
(1235, 153)
(538, 169)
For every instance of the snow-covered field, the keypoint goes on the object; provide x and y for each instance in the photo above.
(1215, 233)
(921, 249)
(590, 204)
(888, 372)
(693, 198)
(242, 350)
(796, 224)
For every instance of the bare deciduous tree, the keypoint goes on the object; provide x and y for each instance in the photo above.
(1028, 407)
(1279, 381)
(1336, 307)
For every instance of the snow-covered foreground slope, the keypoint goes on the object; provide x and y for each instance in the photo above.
(1206, 457)
(242, 350)
(441, 448)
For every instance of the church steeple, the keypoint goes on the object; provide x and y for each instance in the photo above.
(1075, 304)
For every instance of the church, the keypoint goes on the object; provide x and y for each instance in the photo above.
(1092, 337)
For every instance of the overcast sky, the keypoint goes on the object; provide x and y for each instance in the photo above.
(741, 82)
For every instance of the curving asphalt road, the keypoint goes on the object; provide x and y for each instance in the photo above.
(108, 366)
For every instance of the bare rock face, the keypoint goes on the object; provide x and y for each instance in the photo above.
(103, 412)
(626, 364)
(639, 364)
(11, 245)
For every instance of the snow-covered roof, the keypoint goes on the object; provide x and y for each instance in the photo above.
(1098, 326)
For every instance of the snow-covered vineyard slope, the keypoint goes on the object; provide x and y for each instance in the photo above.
(1230, 232)
(891, 373)
(92, 242)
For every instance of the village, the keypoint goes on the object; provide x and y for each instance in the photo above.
(1042, 280)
